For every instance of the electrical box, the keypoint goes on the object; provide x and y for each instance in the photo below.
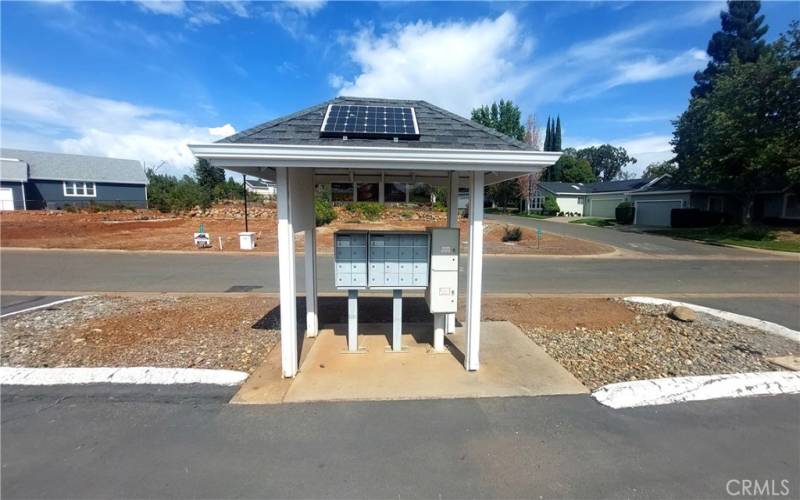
(350, 260)
(442, 294)
(381, 260)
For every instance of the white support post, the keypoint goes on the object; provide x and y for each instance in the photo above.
(286, 276)
(474, 272)
(452, 221)
(352, 320)
(312, 319)
(439, 323)
(397, 320)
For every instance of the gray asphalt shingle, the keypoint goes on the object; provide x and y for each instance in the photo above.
(438, 129)
(58, 166)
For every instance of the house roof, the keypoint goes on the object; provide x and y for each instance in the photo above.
(594, 187)
(260, 183)
(13, 170)
(438, 128)
(59, 166)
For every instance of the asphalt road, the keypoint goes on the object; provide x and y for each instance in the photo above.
(649, 244)
(59, 271)
(15, 303)
(171, 442)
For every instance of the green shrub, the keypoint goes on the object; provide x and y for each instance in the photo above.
(512, 234)
(624, 213)
(369, 210)
(323, 209)
(550, 206)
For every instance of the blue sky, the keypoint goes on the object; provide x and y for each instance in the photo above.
(141, 79)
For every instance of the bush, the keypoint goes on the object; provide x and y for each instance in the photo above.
(550, 206)
(323, 209)
(625, 213)
(694, 217)
(512, 234)
(369, 210)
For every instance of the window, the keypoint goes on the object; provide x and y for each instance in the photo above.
(537, 200)
(394, 192)
(79, 189)
(341, 191)
(367, 192)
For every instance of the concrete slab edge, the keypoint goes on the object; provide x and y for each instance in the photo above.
(43, 306)
(699, 388)
(133, 375)
(759, 324)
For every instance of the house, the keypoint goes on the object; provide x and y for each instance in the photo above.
(597, 199)
(35, 180)
(261, 187)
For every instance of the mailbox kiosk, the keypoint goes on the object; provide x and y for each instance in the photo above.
(397, 261)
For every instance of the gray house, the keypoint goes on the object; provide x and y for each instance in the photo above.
(34, 180)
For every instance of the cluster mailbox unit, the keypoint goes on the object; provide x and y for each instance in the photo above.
(397, 261)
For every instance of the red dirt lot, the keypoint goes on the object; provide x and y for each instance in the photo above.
(151, 230)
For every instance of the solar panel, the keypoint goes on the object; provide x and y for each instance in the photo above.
(369, 122)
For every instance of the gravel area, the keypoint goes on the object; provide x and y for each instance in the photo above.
(180, 332)
(653, 345)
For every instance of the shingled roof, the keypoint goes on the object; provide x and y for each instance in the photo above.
(438, 129)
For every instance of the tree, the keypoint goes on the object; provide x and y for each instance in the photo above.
(548, 137)
(557, 135)
(574, 170)
(503, 193)
(550, 205)
(208, 180)
(743, 134)
(505, 117)
(528, 184)
(606, 160)
(532, 133)
(740, 36)
(660, 168)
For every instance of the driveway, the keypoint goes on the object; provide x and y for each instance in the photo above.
(173, 442)
(648, 244)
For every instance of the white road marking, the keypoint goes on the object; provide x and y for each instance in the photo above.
(759, 324)
(134, 375)
(43, 306)
(699, 388)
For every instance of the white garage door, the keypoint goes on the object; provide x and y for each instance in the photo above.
(604, 208)
(6, 199)
(655, 213)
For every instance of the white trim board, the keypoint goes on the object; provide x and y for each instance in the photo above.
(134, 375)
(759, 324)
(700, 388)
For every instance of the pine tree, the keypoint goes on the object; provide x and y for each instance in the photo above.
(741, 34)
(547, 137)
(557, 136)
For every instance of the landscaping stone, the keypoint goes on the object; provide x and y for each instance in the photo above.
(682, 313)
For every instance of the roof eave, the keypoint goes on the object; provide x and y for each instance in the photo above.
(230, 155)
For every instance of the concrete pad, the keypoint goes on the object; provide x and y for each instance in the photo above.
(511, 365)
(788, 362)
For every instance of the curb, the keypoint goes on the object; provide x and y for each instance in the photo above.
(700, 388)
(43, 306)
(759, 324)
(135, 375)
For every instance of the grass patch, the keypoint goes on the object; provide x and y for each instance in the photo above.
(755, 236)
(514, 211)
(595, 221)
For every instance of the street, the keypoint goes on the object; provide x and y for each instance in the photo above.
(182, 442)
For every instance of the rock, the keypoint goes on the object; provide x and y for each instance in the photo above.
(684, 314)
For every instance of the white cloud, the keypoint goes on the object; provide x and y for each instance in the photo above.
(307, 6)
(457, 65)
(463, 64)
(293, 16)
(643, 118)
(168, 7)
(37, 114)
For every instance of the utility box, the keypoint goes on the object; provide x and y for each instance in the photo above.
(350, 260)
(247, 240)
(442, 294)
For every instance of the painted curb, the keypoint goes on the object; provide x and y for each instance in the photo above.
(135, 375)
(43, 306)
(700, 388)
(759, 324)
